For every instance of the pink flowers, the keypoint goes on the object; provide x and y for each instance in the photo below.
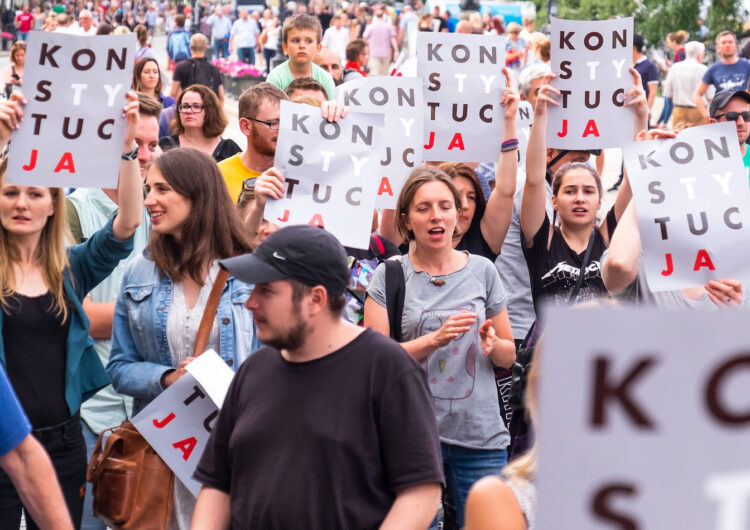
(236, 68)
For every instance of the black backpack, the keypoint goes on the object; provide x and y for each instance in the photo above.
(204, 73)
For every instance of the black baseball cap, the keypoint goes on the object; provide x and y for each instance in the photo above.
(722, 98)
(307, 254)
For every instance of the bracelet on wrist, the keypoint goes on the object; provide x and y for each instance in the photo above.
(509, 145)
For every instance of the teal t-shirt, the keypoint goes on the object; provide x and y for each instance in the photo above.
(281, 76)
(746, 161)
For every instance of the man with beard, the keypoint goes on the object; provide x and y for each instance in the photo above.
(330, 425)
(729, 73)
(258, 111)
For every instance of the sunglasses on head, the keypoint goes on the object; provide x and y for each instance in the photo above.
(734, 116)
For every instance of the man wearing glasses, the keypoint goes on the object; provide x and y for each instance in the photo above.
(258, 111)
(733, 105)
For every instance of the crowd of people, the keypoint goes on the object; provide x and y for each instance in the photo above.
(366, 391)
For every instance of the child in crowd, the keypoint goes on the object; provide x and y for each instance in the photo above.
(301, 35)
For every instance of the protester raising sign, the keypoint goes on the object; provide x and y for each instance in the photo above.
(400, 99)
(178, 423)
(463, 84)
(592, 60)
(331, 172)
(693, 206)
(654, 432)
(72, 134)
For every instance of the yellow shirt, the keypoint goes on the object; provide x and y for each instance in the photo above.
(234, 171)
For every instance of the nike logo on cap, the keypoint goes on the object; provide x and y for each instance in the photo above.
(278, 256)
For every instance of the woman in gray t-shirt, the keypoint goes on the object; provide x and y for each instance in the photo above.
(454, 322)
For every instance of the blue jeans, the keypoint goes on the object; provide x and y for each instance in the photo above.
(463, 467)
(89, 522)
(246, 55)
(666, 112)
(23, 36)
(219, 48)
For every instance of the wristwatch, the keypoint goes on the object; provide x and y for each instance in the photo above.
(131, 155)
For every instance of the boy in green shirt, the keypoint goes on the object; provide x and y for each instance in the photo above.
(302, 34)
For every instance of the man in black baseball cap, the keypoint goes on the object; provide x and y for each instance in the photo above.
(328, 426)
(733, 105)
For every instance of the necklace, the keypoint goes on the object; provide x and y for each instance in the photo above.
(438, 281)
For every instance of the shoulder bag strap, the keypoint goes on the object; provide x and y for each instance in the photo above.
(395, 292)
(209, 313)
(582, 270)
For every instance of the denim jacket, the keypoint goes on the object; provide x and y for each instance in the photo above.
(140, 349)
(90, 262)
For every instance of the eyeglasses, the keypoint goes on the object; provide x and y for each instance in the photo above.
(273, 125)
(189, 109)
(734, 116)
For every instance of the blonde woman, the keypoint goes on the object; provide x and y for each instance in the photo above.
(46, 349)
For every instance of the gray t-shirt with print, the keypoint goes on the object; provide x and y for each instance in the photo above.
(461, 378)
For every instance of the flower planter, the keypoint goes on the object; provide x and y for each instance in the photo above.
(235, 86)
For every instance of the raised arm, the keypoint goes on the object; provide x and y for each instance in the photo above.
(129, 187)
(11, 114)
(533, 206)
(621, 266)
(269, 184)
(635, 98)
(496, 220)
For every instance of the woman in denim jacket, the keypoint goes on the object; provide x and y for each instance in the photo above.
(165, 290)
(46, 349)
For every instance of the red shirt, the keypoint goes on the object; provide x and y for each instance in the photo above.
(25, 22)
(354, 65)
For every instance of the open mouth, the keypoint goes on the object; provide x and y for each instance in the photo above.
(21, 218)
(580, 211)
(155, 216)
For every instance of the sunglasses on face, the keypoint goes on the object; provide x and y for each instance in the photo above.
(734, 116)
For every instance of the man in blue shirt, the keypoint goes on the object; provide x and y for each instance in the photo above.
(729, 73)
(27, 464)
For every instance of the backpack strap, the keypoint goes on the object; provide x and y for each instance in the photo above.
(395, 293)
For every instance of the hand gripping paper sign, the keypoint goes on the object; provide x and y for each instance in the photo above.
(693, 205)
(178, 423)
(591, 60)
(400, 99)
(72, 133)
(463, 84)
(331, 172)
(645, 420)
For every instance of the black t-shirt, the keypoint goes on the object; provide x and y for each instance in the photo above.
(473, 242)
(225, 148)
(34, 340)
(198, 71)
(554, 271)
(323, 444)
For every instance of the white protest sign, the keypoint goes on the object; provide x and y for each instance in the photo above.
(591, 59)
(693, 206)
(331, 172)
(178, 423)
(644, 420)
(72, 133)
(463, 85)
(400, 99)
(524, 117)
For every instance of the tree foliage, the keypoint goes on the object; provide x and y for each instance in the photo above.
(653, 18)
(725, 15)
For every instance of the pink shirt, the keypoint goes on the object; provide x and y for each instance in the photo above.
(378, 35)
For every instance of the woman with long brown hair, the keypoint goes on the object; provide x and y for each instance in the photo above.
(147, 79)
(165, 290)
(46, 350)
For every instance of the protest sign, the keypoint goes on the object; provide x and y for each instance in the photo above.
(524, 117)
(331, 172)
(178, 423)
(644, 420)
(463, 85)
(400, 100)
(591, 59)
(693, 206)
(72, 133)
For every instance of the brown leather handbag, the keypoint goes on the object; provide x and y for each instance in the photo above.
(133, 487)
